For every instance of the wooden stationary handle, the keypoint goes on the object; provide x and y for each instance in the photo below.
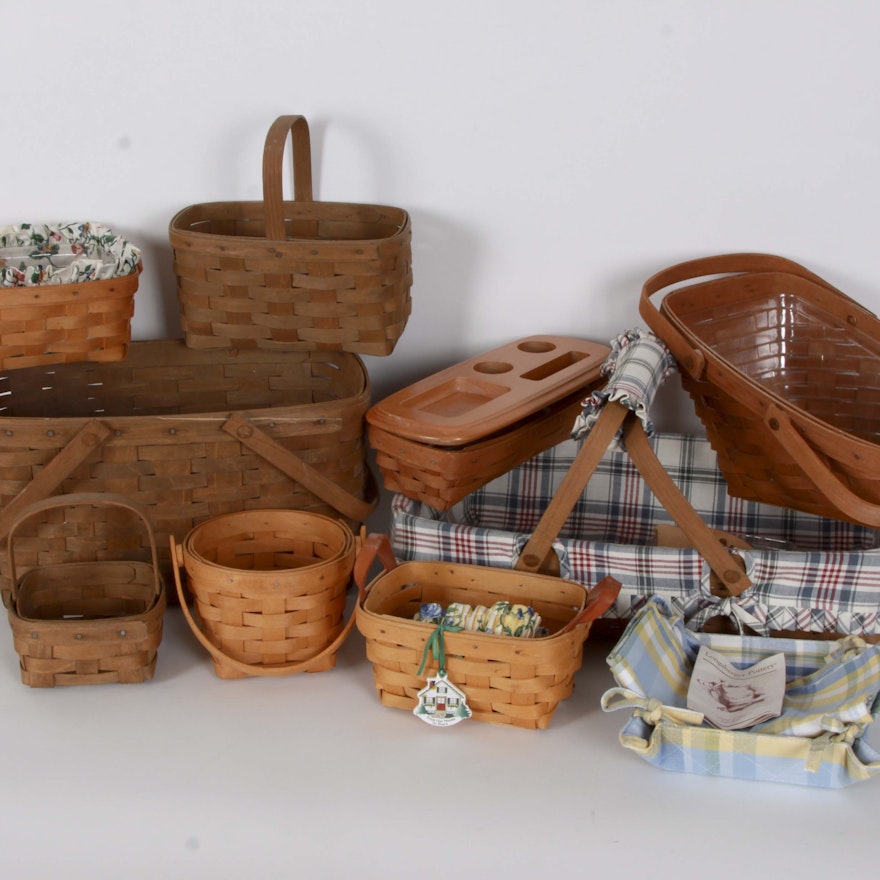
(816, 471)
(289, 463)
(689, 358)
(81, 499)
(273, 162)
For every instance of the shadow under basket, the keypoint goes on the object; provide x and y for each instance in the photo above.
(507, 680)
(91, 621)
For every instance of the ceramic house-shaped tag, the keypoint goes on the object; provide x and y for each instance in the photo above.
(441, 703)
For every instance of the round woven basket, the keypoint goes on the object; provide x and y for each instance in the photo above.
(269, 590)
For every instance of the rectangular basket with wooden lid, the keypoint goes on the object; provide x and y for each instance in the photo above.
(295, 275)
(446, 435)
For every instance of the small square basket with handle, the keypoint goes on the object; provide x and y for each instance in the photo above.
(86, 613)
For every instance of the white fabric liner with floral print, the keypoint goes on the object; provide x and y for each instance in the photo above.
(68, 253)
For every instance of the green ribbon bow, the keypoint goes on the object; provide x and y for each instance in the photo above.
(435, 645)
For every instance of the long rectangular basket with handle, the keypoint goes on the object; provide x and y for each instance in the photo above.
(784, 372)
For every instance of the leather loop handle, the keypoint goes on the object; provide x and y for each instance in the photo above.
(373, 546)
(601, 598)
(692, 359)
(273, 168)
(224, 659)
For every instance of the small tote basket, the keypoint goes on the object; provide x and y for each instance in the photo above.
(269, 589)
(95, 619)
(293, 275)
(784, 372)
(507, 680)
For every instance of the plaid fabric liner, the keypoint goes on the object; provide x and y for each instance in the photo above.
(809, 573)
(831, 700)
(638, 365)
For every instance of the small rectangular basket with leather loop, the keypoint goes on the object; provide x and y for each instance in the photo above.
(784, 372)
(507, 680)
(295, 275)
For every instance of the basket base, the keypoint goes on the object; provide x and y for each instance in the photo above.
(36, 678)
(229, 673)
(481, 712)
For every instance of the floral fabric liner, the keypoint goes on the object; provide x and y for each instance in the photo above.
(36, 254)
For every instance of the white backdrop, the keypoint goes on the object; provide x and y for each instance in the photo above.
(552, 155)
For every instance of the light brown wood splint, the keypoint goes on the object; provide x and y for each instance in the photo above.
(490, 392)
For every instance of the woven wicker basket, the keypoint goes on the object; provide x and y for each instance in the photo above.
(293, 275)
(66, 323)
(269, 589)
(450, 433)
(190, 435)
(85, 614)
(514, 681)
(784, 372)
(442, 475)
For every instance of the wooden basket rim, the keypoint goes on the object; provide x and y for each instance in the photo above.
(717, 367)
(255, 211)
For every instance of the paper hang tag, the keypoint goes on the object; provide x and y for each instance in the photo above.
(441, 703)
(732, 698)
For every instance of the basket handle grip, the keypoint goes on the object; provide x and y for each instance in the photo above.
(534, 556)
(224, 659)
(92, 434)
(289, 463)
(273, 165)
(728, 568)
(816, 471)
(601, 598)
(374, 546)
(692, 359)
(80, 499)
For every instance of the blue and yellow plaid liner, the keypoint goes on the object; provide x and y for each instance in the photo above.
(831, 699)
